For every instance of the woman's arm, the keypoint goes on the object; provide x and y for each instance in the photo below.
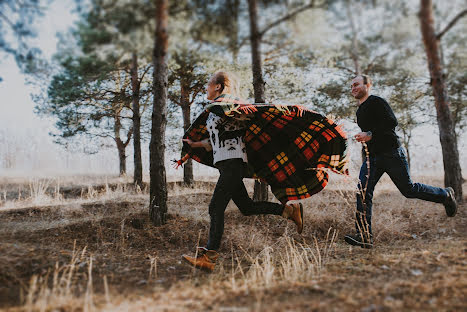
(204, 143)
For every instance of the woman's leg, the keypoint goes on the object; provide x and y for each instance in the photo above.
(230, 177)
(249, 208)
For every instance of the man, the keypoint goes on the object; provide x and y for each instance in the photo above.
(377, 122)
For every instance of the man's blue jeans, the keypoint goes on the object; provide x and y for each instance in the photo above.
(395, 164)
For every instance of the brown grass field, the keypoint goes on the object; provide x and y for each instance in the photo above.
(70, 246)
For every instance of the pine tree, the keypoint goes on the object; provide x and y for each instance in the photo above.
(121, 36)
(89, 100)
(452, 169)
(158, 182)
(187, 79)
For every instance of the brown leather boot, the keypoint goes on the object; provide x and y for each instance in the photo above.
(294, 212)
(205, 259)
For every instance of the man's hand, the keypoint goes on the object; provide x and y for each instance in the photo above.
(363, 136)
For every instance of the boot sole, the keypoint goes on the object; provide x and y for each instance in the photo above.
(207, 270)
(350, 240)
(451, 208)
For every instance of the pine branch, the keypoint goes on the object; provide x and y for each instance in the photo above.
(277, 22)
(451, 24)
(6, 19)
(346, 69)
(287, 17)
(130, 133)
(195, 94)
(373, 61)
(146, 70)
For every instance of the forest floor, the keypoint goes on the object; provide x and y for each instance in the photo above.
(96, 250)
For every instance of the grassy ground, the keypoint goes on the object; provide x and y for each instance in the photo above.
(98, 251)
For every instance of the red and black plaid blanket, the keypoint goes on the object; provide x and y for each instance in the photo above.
(288, 146)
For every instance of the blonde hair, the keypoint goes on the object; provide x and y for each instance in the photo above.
(229, 82)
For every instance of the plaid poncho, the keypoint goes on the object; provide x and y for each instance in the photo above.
(287, 146)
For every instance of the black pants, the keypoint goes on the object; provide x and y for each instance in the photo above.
(230, 186)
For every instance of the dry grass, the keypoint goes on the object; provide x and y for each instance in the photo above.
(68, 287)
(120, 262)
(64, 289)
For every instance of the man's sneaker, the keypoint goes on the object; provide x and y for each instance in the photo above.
(294, 212)
(205, 260)
(450, 203)
(360, 239)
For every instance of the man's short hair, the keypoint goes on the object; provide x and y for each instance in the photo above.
(366, 79)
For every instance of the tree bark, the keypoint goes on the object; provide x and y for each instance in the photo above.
(452, 169)
(255, 39)
(120, 145)
(158, 179)
(234, 47)
(260, 188)
(186, 111)
(121, 157)
(135, 86)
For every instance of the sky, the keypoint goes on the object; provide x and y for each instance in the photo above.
(17, 105)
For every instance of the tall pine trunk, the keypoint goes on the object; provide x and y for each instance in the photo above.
(121, 157)
(234, 7)
(260, 188)
(135, 86)
(158, 182)
(452, 168)
(186, 111)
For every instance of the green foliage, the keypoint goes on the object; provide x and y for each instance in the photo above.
(187, 75)
(333, 98)
(85, 105)
(408, 100)
(187, 71)
(17, 28)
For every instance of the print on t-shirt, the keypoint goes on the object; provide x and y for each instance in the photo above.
(226, 138)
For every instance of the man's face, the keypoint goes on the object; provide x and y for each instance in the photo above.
(359, 89)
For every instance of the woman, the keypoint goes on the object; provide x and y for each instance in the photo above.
(226, 141)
